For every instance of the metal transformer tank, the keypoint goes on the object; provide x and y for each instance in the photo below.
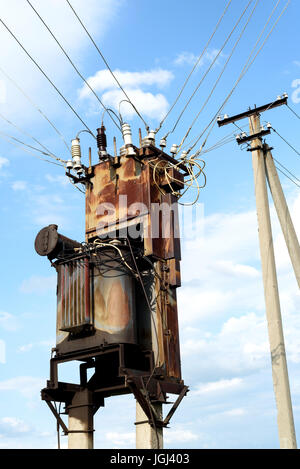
(116, 292)
(94, 308)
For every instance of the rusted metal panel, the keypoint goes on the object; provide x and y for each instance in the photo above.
(129, 195)
(111, 205)
(92, 307)
(114, 195)
(172, 181)
(114, 307)
(73, 297)
(172, 337)
(174, 273)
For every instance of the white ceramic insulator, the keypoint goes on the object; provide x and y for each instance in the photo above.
(183, 155)
(127, 136)
(163, 143)
(151, 136)
(75, 148)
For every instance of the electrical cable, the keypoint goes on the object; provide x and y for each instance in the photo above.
(36, 107)
(245, 69)
(293, 175)
(7, 137)
(70, 60)
(292, 110)
(107, 65)
(208, 70)
(46, 76)
(242, 74)
(298, 185)
(282, 138)
(219, 141)
(194, 67)
(33, 138)
(220, 75)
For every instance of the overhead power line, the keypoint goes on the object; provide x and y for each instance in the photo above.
(245, 69)
(289, 144)
(294, 182)
(33, 138)
(209, 68)
(293, 175)
(107, 65)
(46, 76)
(71, 62)
(294, 112)
(9, 139)
(36, 107)
(194, 67)
(221, 74)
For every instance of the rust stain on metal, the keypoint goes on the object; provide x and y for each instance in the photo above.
(118, 306)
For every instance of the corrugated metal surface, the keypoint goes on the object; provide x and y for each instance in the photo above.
(96, 294)
(74, 294)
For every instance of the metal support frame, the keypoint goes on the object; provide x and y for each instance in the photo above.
(133, 381)
(249, 138)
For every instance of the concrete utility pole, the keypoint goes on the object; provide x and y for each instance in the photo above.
(263, 167)
(285, 419)
(283, 213)
(81, 431)
(147, 436)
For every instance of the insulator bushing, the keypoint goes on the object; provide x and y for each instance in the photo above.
(101, 139)
(75, 149)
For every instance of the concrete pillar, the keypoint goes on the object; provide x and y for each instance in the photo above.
(281, 386)
(148, 437)
(283, 213)
(81, 419)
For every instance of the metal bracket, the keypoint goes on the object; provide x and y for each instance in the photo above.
(147, 405)
(58, 417)
(260, 134)
(86, 179)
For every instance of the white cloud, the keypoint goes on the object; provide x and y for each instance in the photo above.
(179, 435)
(28, 347)
(48, 208)
(13, 425)
(3, 162)
(8, 321)
(296, 94)
(27, 386)
(189, 58)
(218, 386)
(38, 284)
(227, 286)
(61, 180)
(2, 352)
(241, 346)
(97, 16)
(148, 104)
(19, 185)
(103, 80)
(238, 412)
(120, 438)
(136, 85)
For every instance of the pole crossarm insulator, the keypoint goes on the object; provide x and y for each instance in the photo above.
(251, 112)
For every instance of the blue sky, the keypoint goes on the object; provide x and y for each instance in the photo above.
(224, 343)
